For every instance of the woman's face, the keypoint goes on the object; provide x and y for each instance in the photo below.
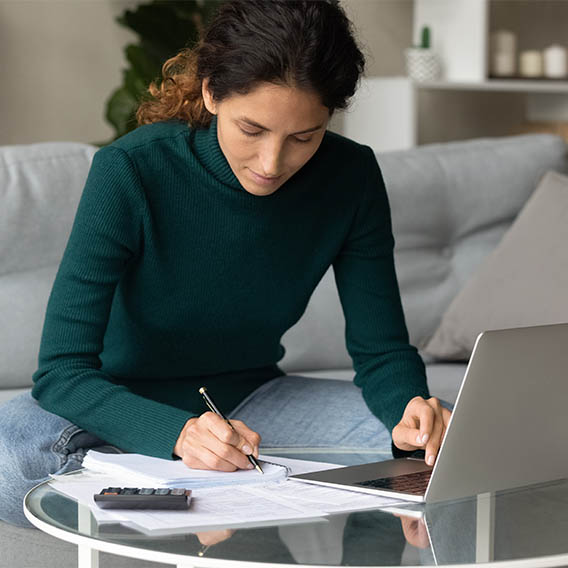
(268, 134)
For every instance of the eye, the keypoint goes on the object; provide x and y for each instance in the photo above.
(248, 133)
(259, 132)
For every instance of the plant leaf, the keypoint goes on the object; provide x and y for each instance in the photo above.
(164, 28)
(120, 111)
(145, 66)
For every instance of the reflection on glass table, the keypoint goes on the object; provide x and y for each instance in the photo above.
(528, 523)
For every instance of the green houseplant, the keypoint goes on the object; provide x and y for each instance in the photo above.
(164, 27)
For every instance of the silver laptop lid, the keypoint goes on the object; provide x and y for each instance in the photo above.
(509, 425)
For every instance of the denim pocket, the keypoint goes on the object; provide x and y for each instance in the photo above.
(72, 445)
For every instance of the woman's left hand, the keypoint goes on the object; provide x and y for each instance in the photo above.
(423, 426)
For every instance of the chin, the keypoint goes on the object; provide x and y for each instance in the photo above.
(260, 191)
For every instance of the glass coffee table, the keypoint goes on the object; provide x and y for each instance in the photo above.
(519, 528)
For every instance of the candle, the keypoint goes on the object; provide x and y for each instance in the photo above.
(555, 61)
(531, 63)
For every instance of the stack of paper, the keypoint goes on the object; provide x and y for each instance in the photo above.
(254, 498)
(145, 471)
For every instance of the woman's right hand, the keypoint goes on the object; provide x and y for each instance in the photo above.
(208, 442)
(415, 531)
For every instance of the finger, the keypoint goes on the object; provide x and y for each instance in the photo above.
(404, 437)
(210, 538)
(229, 453)
(214, 461)
(426, 415)
(193, 462)
(252, 438)
(222, 430)
(208, 452)
(446, 415)
(435, 439)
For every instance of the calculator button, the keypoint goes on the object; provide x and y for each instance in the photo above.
(178, 492)
(129, 491)
(146, 491)
(162, 491)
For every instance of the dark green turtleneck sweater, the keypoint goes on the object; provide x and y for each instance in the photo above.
(175, 277)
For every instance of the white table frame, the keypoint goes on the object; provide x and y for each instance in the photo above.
(89, 547)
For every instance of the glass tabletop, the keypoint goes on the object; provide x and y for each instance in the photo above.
(521, 524)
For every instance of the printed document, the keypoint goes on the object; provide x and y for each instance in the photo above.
(219, 499)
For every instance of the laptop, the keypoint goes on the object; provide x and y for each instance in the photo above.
(508, 428)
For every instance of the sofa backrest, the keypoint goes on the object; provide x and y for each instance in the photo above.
(451, 204)
(40, 186)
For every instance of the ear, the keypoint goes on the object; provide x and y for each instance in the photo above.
(208, 97)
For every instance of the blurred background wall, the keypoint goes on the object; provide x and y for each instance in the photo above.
(61, 59)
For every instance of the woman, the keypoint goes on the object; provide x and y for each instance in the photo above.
(197, 243)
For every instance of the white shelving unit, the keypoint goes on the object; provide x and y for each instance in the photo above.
(460, 36)
(385, 112)
(382, 114)
(509, 85)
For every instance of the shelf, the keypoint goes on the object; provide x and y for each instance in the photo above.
(505, 85)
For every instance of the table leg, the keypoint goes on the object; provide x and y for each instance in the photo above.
(485, 534)
(87, 556)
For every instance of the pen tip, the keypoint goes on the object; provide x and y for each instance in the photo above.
(259, 469)
(202, 390)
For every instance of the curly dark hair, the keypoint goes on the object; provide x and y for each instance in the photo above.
(307, 44)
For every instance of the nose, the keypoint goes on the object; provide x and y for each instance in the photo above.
(271, 158)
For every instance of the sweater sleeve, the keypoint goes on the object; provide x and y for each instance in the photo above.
(107, 234)
(387, 368)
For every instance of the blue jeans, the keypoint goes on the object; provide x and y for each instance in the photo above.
(288, 412)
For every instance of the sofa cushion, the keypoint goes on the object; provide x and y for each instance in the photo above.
(23, 299)
(451, 204)
(445, 379)
(523, 282)
(40, 187)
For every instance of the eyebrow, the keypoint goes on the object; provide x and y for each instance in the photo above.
(255, 124)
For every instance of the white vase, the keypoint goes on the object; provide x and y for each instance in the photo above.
(422, 64)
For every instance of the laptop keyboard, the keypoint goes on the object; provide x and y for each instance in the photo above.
(411, 483)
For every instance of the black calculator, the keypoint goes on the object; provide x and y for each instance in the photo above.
(145, 498)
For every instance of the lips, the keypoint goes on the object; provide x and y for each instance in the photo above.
(263, 179)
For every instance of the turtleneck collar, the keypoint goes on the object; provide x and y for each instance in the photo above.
(208, 151)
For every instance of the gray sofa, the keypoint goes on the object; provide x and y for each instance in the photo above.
(451, 204)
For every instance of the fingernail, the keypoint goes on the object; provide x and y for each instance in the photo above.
(430, 460)
(418, 441)
(250, 466)
(425, 438)
(247, 450)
